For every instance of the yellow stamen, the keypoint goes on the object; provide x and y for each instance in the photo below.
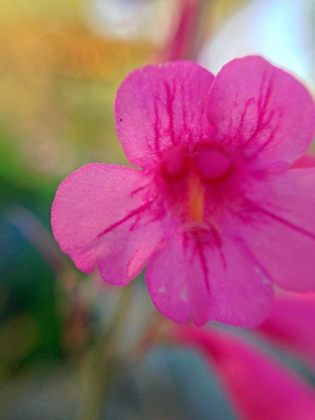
(196, 194)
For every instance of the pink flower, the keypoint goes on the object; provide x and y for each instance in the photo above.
(259, 387)
(306, 161)
(187, 39)
(216, 212)
(292, 325)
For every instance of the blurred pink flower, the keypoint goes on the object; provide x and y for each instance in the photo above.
(186, 38)
(217, 212)
(306, 161)
(258, 386)
(292, 325)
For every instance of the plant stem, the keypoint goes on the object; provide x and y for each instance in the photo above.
(149, 337)
(98, 372)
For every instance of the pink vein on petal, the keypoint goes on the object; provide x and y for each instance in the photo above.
(218, 244)
(203, 262)
(262, 104)
(170, 110)
(271, 135)
(249, 102)
(137, 190)
(157, 120)
(133, 213)
(287, 223)
(254, 259)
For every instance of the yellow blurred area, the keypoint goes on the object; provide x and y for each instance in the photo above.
(45, 11)
(58, 81)
(60, 69)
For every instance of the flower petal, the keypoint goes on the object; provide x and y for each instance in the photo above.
(280, 231)
(101, 216)
(260, 387)
(176, 282)
(158, 107)
(263, 110)
(191, 279)
(292, 325)
(241, 292)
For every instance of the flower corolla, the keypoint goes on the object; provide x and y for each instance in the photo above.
(218, 213)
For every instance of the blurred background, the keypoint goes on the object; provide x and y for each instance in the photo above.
(61, 62)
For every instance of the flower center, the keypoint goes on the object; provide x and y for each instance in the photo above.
(213, 165)
(190, 178)
(196, 197)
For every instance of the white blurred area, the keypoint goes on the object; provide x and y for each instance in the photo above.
(130, 19)
(280, 30)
